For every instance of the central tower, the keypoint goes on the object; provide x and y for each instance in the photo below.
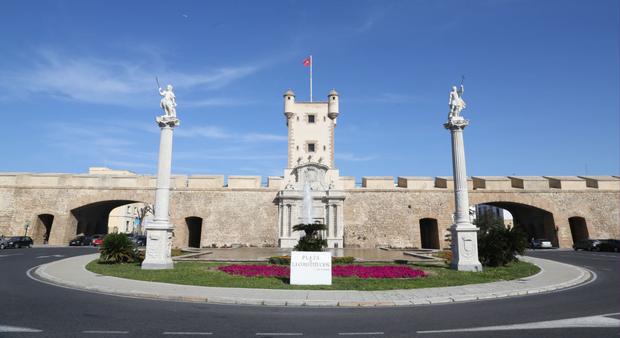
(311, 128)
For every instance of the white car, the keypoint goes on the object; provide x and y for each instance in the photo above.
(541, 243)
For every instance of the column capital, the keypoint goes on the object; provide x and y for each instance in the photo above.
(456, 123)
(167, 121)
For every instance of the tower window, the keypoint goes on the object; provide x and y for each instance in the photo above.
(311, 147)
(324, 148)
(311, 118)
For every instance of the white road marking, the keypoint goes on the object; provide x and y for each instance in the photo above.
(105, 332)
(591, 321)
(279, 334)
(10, 255)
(189, 333)
(5, 328)
(360, 333)
(43, 256)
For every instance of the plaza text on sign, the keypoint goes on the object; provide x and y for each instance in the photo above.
(311, 268)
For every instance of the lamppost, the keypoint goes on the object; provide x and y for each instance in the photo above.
(26, 226)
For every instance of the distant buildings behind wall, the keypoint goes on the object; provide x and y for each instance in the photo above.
(125, 219)
(501, 214)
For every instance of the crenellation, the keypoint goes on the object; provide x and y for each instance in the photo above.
(602, 182)
(415, 182)
(491, 182)
(378, 182)
(447, 182)
(244, 182)
(205, 181)
(566, 182)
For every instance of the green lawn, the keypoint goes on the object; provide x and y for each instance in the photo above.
(206, 274)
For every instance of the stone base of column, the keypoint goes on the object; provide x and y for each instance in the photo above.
(465, 248)
(158, 247)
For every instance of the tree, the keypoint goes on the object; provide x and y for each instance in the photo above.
(498, 244)
(142, 213)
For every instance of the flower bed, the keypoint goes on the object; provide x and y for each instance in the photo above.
(256, 270)
(360, 271)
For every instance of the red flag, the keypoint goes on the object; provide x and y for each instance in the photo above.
(307, 61)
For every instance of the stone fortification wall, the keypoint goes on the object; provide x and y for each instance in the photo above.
(241, 209)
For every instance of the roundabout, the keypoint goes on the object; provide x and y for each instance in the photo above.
(592, 308)
(72, 272)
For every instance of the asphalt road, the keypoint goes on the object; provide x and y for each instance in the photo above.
(60, 312)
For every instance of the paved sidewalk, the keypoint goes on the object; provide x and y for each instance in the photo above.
(71, 272)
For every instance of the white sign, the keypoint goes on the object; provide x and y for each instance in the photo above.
(311, 268)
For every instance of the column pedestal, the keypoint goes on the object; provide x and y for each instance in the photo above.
(464, 234)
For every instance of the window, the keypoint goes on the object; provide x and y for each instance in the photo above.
(311, 147)
(311, 118)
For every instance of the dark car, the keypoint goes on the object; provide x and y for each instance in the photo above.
(19, 242)
(587, 244)
(139, 240)
(80, 240)
(609, 245)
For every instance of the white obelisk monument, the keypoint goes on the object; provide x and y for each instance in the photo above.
(159, 232)
(464, 234)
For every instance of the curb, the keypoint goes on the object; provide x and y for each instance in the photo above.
(402, 298)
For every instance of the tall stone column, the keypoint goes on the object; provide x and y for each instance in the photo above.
(464, 234)
(159, 232)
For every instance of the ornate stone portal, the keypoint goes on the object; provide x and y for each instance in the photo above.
(311, 159)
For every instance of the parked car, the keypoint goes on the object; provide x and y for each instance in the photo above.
(139, 240)
(19, 242)
(541, 243)
(587, 244)
(80, 240)
(97, 240)
(609, 245)
(4, 242)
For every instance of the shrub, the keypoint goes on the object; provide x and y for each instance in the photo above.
(343, 260)
(499, 245)
(117, 248)
(312, 241)
(446, 255)
(280, 260)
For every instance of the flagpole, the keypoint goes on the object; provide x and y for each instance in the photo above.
(311, 78)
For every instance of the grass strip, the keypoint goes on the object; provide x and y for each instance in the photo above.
(206, 274)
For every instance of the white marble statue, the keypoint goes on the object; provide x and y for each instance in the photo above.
(168, 101)
(456, 102)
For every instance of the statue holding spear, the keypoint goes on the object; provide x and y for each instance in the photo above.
(168, 102)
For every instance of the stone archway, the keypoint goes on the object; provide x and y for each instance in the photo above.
(429, 233)
(534, 221)
(194, 230)
(42, 228)
(578, 228)
(92, 218)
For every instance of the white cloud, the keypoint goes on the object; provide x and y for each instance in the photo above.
(215, 132)
(354, 158)
(116, 82)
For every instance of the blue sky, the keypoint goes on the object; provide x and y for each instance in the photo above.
(77, 84)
